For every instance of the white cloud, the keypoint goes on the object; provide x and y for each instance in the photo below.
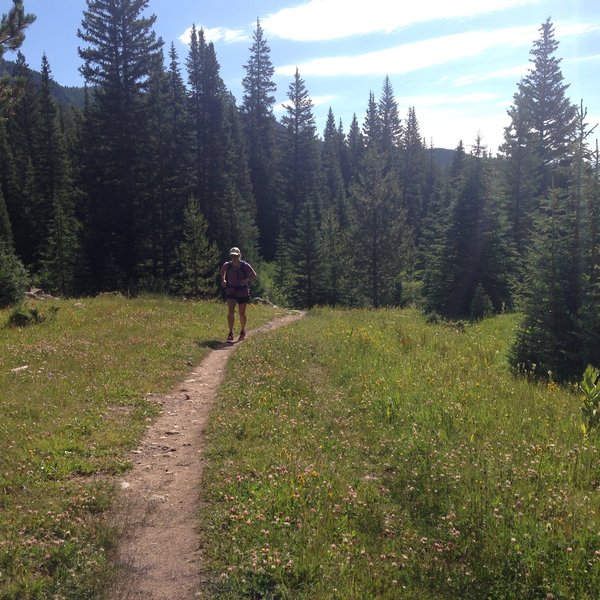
(416, 55)
(319, 100)
(217, 34)
(318, 20)
(448, 126)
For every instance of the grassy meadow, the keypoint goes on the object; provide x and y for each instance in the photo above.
(73, 402)
(370, 455)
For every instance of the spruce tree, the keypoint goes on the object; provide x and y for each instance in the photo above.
(589, 315)
(356, 151)
(546, 344)
(379, 234)
(207, 111)
(306, 260)
(538, 140)
(198, 255)
(237, 214)
(259, 125)
(473, 249)
(413, 172)
(390, 129)
(334, 190)
(300, 155)
(120, 49)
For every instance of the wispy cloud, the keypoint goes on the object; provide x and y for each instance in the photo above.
(319, 20)
(414, 56)
(434, 100)
(419, 55)
(514, 73)
(217, 34)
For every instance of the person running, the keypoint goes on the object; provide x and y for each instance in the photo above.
(236, 274)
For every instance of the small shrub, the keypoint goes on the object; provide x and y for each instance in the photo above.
(481, 305)
(22, 316)
(13, 277)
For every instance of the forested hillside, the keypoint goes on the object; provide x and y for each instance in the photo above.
(147, 185)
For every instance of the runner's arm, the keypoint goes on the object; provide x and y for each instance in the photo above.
(251, 276)
(224, 275)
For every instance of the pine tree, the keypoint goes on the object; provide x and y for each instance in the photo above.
(238, 212)
(306, 260)
(372, 125)
(473, 248)
(379, 234)
(413, 173)
(13, 277)
(259, 125)
(334, 191)
(390, 129)
(546, 342)
(12, 27)
(207, 110)
(356, 151)
(198, 255)
(167, 184)
(538, 139)
(301, 153)
(120, 49)
(337, 269)
(589, 315)
(53, 219)
(12, 35)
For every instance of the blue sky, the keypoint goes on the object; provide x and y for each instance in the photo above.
(457, 62)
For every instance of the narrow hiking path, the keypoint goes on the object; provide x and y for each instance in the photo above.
(159, 558)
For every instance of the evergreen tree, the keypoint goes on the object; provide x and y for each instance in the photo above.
(300, 154)
(207, 102)
(546, 342)
(198, 255)
(390, 129)
(413, 172)
(337, 269)
(356, 151)
(259, 124)
(119, 53)
(379, 232)
(238, 210)
(521, 173)
(474, 249)
(306, 260)
(12, 35)
(538, 140)
(12, 27)
(372, 125)
(334, 191)
(54, 218)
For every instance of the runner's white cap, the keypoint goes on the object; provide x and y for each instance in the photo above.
(235, 252)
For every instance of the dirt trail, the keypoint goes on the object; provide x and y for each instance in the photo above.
(159, 558)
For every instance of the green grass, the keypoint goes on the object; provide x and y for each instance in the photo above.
(73, 402)
(369, 455)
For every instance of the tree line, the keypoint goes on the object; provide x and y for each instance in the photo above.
(148, 185)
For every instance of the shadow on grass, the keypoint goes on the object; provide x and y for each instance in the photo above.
(213, 344)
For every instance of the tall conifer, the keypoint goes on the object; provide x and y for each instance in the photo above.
(119, 51)
(259, 124)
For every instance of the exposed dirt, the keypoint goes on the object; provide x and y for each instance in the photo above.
(160, 558)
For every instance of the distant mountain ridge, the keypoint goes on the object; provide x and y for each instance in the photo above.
(73, 96)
